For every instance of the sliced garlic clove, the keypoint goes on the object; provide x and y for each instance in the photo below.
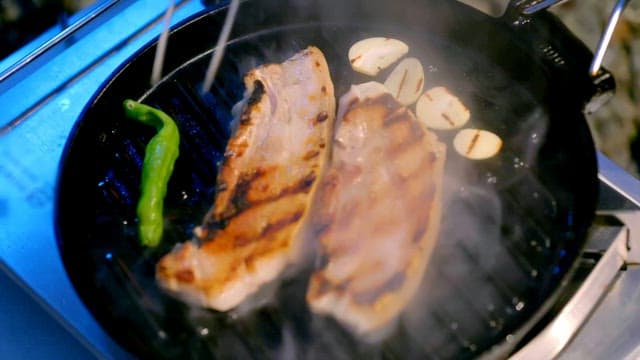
(371, 55)
(406, 81)
(438, 109)
(477, 144)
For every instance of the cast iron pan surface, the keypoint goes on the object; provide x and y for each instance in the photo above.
(493, 269)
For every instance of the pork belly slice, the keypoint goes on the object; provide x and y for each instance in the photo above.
(378, 211)
(264, 189)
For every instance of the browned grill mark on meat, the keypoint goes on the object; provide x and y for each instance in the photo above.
(324, 286)
(282, 223)
(240, 201)
(339, 145)
(185, 275)
(320, 227)
(371, 296)
(349, 107)
(432, 157)
(245, 118)
(394, 117)
(425, 165)
(253, 101)
(310, 155)
(322, 117)
(429, 193)
(421, 231)
(302, 186)
(345, 217)
(409, 142)
(349, 171)
(239, 149)
(221, 186)
(250, 262)
(257, 94)
(387, 100)
(353, 61)
(270, 229)
(242, 241)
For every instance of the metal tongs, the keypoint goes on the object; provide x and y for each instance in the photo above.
(216, 56)
(594, 69)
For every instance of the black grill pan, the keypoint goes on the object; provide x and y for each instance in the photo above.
(532, 204)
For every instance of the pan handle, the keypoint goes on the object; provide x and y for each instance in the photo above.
(566, 55)
(530, 7)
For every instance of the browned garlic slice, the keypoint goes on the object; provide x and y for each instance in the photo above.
(477, 144)
(371, 55)
(406, 81)
(438, 109)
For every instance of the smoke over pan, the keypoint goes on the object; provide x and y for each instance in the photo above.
(511, 228)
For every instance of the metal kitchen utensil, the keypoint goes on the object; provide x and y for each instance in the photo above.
(601, 50)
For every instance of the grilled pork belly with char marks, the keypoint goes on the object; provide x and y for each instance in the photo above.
(265, 187)
(378, 210)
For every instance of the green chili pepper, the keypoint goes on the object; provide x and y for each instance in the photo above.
(160, 155)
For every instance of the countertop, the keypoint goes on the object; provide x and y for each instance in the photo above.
(27, 331)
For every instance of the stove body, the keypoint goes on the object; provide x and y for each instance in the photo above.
(43, 89)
